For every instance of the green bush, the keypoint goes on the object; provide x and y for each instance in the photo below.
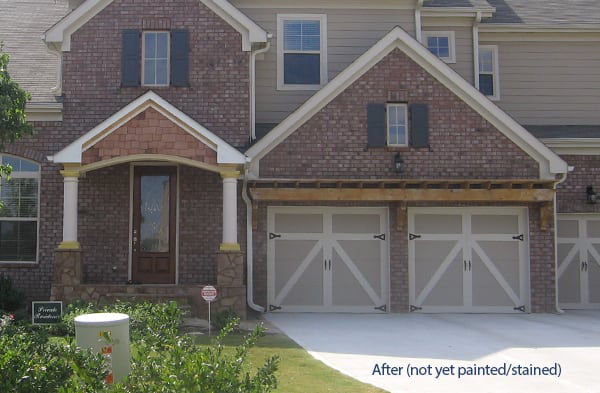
(11, 299)
(223, 318)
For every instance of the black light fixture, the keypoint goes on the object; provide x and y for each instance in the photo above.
(398, 163)
(592, 197)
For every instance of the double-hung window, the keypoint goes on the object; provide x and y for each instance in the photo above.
(19, 214)
(441, 44)
(302, 52)
(155, 65)
(488, 71)
(397, 125)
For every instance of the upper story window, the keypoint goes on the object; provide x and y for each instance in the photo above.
(155, 58)
(155, 66)
(19, 214)
(488, 71)
(397, 125)
(301, 52)
(441, 44)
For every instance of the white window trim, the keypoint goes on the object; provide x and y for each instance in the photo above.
(495, 73)
(168, 57)
(387, 123)
(322, 18)
(451, 43)
(27, 175)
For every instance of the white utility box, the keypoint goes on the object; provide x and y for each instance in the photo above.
(108, 334)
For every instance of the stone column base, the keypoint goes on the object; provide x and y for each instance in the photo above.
(230, 269)
(67, 267)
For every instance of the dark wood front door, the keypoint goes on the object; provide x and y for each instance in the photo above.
(154, 204)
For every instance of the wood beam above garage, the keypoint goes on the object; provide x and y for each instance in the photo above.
(403, 190)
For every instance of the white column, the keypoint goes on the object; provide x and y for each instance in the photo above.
(230, 242)
(71, 180)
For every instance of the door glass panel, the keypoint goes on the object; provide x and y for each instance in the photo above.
(593, 228)
(594, 275)
(438, 223)
(486, 290)
(346, 290)
(154, 214)
(356, 223)
(429, 256)
(490, 224)
(299, 223)
(569, 282)
(568, 228)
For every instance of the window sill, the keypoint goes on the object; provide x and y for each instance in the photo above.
(299, 87)
(18, 264)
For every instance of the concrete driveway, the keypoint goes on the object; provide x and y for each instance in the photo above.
(456, 352)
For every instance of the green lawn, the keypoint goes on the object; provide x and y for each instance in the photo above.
(298, 371)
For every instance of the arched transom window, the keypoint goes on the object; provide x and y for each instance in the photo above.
(19, 213)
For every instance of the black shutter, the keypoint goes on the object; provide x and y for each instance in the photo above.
(130, 58)
(376, 125)
(419, 125)
(179, 58)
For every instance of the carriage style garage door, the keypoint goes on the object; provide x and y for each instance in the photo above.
(327, 259)
(578, 261)
(468, 259)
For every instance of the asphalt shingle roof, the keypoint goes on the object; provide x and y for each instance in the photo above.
(545, 12)
(22, 23)
(456, 3)
(564, 131)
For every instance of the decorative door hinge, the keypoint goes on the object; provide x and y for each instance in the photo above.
(274, 308)
(273, 235)
(380, 237)
(412, 236)
(520, 308)
(381, 308)
(415, 308)
(519, 237)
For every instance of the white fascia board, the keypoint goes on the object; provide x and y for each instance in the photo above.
(549, 162)
(51, 111)
(226, 154)
(574, 146)
(61, 32)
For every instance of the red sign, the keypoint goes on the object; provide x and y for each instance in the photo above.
(209, 293)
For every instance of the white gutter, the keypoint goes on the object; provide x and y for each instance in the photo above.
(563, 177)
(476, 50)
(253, 86)
(249, 249)
(418, 19)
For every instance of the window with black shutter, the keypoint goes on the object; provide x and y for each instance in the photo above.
(419, 120)
(179, 58)
(130, 58)
(376, 125)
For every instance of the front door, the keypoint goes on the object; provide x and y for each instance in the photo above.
(154, 204)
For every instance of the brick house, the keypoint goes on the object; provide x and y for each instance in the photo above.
(391, 156)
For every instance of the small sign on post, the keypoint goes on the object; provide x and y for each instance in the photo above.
(46, 313)
(209, 293)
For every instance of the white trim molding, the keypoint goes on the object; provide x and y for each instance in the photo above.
(574, 146)
(226, 154)
(52, 111)
(59, 35)
(281, 19)
(550, 163)
(451, 58)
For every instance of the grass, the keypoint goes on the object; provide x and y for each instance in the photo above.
(298, 371)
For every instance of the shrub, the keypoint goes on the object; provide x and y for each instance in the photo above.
(223, 318)
(11, 299)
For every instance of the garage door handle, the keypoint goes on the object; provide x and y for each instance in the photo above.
(330, 264)
(465, 265)
(469, 265)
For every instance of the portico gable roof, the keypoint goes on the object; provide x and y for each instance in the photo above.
(72, 154)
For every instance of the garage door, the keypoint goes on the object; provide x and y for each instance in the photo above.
(468, 259)
(578, 261)
(327, 259)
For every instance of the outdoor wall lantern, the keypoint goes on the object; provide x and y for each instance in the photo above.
(398, 163)
(592, 197)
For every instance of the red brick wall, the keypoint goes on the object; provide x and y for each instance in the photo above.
(334, 142)
(541, 245)
(217, 96)
(571, 196)
(150, 133)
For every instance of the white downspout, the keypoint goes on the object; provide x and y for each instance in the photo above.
(418, 19)
(253, 87)
(476, 50)
(562, 179)
(249, 249)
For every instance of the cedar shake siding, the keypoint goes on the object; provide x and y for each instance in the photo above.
(333, 143)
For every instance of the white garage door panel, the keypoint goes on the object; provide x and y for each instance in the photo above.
(327, 259)
(578, 261)
(468, 259)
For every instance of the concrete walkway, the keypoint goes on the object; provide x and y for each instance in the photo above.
(363, 346)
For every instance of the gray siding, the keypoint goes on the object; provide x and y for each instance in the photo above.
(550, 83)
(464, 49)
(350, 32)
